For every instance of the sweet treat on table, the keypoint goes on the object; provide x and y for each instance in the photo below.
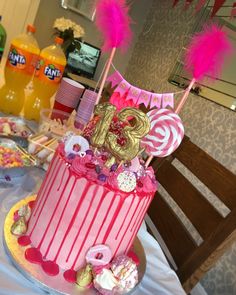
(166, 134)
(42, 146)
(14, 126)
(56, 122)
(92, 203)
(12, 157)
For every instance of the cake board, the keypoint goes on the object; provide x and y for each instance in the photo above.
(34, 272)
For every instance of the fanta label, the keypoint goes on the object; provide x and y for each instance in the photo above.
(21, 60)
(16, 59)
(50, 72)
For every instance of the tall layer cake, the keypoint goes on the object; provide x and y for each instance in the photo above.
(76, 209)
(91, 204)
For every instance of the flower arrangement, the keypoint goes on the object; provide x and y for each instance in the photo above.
(70, 32)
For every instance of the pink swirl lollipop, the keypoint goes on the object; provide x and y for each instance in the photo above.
(166, 134)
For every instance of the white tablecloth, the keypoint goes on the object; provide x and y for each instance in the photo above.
(159, 279)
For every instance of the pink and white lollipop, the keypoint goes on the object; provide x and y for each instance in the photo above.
(166, 133)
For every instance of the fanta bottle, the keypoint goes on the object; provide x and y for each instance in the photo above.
(46, 80)
(21, 63)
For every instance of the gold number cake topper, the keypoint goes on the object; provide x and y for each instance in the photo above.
(106, 113)
(132, 133)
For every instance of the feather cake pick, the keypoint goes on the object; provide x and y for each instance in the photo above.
(113, 22)
(206, 53)
(205, 56)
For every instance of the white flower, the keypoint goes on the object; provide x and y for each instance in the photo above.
(78, 31)
(63, 24)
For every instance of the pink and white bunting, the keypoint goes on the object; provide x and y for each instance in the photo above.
(134, 93)
(123, 87)
(168, 100)
(156, 100)
(115, 78)
(144, 97)
(137, 95)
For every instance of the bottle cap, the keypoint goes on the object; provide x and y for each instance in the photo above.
(59, 40)
(31, 28)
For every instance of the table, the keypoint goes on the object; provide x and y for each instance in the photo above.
(159, 278)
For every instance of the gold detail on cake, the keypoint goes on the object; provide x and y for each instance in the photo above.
(106, 112)
(84, 276)
(110, 162)
(138, 128)
(19, 227)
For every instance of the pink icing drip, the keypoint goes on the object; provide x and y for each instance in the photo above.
(33, 255)
(43, 187)
(45, 199)
(61, 181)
(70, 276)
(86, 214)
(136, 228)
(90, 225)
(120, 204)
(60, 219)
(50, 268)
(124, 219)
(58, 202)
(117, 248)
(103, 222)
(24, 241)
(132, 228)
(72, 220)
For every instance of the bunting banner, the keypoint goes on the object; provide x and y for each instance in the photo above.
(137, 95)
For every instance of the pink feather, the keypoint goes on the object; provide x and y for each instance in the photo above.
(206, 52)
(113, 21)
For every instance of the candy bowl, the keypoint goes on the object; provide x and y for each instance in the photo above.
(14, 160)
(14, 126)
(56, 122)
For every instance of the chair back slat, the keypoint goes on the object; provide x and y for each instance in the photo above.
(164, 218)
(189, 199)
(215, 176)
(218, 232)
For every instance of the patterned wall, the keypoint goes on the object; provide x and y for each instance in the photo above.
(209, 125)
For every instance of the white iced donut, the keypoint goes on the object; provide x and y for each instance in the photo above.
(99, 255)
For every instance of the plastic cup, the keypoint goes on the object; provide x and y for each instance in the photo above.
(68, 95)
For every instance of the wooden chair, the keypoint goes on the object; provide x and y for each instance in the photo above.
(218, 232)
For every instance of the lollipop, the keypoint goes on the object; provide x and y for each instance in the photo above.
(166, 133)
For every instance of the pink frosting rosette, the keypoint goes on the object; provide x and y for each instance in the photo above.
(79, 164)
(147, 183)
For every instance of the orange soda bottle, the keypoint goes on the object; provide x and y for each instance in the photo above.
(46, 80)
(20, 66)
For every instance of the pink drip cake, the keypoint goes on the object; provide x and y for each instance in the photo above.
(88, 211)
(80, 205)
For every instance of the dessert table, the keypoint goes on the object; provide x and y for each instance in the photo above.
(159, 278)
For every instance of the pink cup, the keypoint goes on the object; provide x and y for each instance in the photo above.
(68, 95)
(85, 109)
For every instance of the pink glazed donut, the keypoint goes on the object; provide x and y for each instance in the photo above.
(99, 255)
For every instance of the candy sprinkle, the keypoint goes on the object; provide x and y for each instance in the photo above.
(126, 181)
